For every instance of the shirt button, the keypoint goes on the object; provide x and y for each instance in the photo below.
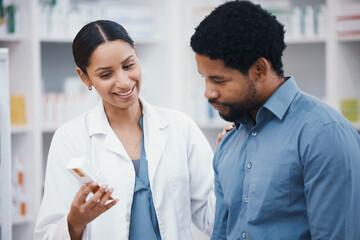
(254, 133)
(249, 165)
(244, 235)
(246, 199)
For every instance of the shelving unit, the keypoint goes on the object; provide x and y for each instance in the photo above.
(326, 67)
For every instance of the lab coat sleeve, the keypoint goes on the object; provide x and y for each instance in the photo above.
(59, 190)
(202, 196)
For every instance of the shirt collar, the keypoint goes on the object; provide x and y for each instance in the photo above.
(278, 103)
(98, 123)
(280, 100)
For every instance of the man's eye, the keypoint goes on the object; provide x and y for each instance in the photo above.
(219, 81)
(129, 66)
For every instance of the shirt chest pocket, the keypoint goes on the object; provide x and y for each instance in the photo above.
(180, 194)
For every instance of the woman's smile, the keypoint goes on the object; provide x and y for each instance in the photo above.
(126, 95)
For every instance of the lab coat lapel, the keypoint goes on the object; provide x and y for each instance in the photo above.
(98, 124)
(155, 137)
(113, 144)
(154, 147)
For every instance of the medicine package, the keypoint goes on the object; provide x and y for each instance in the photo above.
(85, 172)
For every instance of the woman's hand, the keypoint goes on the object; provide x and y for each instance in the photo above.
(83, 212)
(227, 128)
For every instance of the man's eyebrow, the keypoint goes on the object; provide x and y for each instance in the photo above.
(212, 76)
(216, 77)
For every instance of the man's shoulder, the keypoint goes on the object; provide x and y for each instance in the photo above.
(311, 109)
(226, 142)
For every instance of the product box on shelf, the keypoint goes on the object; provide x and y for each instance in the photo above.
(348, 19)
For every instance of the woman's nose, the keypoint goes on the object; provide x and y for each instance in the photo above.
(123, 81)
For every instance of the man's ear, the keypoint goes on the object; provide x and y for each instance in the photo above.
(260, 69)
(84, 77)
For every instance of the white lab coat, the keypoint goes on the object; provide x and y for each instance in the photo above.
(180, 174)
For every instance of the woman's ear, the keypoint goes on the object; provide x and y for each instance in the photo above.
(84, 77)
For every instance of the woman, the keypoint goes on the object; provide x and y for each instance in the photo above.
(156, 160)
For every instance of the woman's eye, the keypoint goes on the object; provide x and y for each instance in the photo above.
(106, 75)
(129, 66)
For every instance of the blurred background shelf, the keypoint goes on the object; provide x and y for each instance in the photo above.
(11, 38)
(20, 129)
(290, 41)
(352, 38)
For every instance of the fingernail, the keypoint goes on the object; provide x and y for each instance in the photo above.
(111, 190)
(94, 184)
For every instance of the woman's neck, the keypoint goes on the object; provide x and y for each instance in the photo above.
(123, 118)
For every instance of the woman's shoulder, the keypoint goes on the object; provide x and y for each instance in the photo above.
(76, 126)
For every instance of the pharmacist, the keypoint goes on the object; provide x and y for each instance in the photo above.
(156, 162)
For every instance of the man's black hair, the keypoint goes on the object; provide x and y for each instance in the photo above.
(239, 33)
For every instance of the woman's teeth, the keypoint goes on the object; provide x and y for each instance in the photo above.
(124, 94)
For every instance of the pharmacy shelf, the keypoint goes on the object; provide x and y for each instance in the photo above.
(56, 39)
(20, 129)
(20, 220)
(305, 40)
(350, 38)
(49, 129)
(11, 38)
(70, 40)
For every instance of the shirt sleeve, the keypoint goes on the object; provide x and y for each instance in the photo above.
(331, 162)
(59, 190)
(221, 211)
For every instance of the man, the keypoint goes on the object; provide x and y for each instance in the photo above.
(291, 168)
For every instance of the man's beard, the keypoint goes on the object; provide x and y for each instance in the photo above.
(240, 108)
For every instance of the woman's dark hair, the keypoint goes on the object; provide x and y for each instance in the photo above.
(94, 34)
(239, 33)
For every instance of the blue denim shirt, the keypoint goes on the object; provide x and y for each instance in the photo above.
(294, 175)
